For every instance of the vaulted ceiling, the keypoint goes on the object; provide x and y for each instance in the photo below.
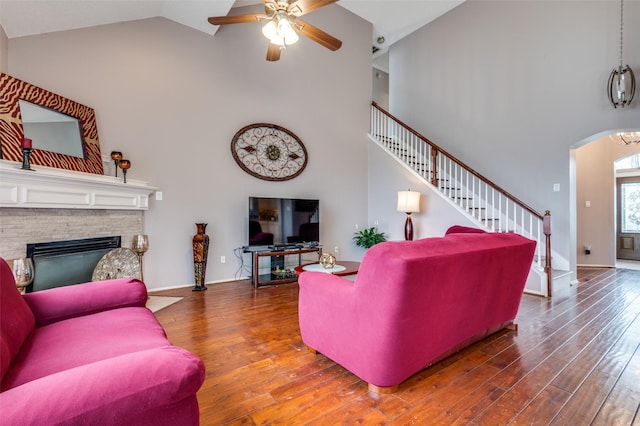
(392, 19)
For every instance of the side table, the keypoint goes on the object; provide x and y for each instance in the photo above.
(350, 268)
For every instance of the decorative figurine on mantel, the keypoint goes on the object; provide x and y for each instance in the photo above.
(200, 244)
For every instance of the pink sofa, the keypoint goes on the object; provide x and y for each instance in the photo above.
(415, 302)
(91, 354)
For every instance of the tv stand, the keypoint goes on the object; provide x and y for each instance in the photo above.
(279, 273)
(286, 247)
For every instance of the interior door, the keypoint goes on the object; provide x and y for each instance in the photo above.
(628, 220)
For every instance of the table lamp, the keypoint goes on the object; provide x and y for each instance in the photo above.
(408, 202)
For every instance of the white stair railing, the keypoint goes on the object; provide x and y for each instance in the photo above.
(485, 202)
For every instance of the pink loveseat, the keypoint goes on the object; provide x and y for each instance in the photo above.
(415, 302)
(91, 354)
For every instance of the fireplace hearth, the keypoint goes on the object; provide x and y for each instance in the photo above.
(61, 263)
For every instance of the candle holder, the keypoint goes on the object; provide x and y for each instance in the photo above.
(116, 156)
(140, 245)
(26, 146)
(23, 271)
(124, 165)
(26, 152)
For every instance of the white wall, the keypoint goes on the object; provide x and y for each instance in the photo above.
(386, 177)
(171, 98)
(509, 87)
(380, 88)
(4, 51)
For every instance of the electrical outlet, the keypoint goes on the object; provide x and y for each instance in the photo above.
(587, 249)
(336, 249)
(158, 195)
(223, 259)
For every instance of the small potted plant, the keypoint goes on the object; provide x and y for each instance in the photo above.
(368, 237)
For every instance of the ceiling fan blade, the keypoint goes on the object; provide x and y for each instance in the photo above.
(307, 6)
(236, 19)
(273, 52)
(317, 35)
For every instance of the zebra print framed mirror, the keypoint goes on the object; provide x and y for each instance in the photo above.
(14, 93)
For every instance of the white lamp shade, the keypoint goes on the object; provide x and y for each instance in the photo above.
(408, 201)
(270, 30)
(286, 31)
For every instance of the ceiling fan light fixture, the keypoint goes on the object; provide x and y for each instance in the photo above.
(269, 30)
(281, 26)
(280, 32)
(286, 31)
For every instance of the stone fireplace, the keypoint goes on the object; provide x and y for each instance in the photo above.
(57, 205)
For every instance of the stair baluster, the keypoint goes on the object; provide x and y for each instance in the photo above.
(471, 192)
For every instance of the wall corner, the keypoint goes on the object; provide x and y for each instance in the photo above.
(4, 51)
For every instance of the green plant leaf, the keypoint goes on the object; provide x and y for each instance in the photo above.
(368, 237)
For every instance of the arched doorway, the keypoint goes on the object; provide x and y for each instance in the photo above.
(593, 201)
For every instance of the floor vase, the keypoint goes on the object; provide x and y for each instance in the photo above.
(200, 251)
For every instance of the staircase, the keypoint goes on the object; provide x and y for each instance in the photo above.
(485, 203)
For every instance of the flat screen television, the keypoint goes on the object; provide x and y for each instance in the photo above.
(283, 222)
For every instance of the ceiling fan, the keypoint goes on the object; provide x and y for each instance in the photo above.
(283, 26)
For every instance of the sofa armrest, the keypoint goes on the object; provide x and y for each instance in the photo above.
(325, 288)
(122, 390)
(62, 303)
(326, 301)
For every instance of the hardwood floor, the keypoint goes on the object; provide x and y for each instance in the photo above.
(575, 360)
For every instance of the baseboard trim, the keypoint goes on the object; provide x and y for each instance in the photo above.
(151, 290)
(579, 265)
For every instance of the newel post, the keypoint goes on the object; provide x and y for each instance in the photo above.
(546, 226)
(434, 163)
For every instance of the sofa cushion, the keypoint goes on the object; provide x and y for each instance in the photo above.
(16, 319)
(78, 341)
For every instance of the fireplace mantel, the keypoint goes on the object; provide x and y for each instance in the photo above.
(47, 187)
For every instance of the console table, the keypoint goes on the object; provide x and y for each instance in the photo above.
(279, 273)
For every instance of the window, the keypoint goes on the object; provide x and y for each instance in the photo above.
(630, 198)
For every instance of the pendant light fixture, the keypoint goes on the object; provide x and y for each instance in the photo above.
(626, 138)
(622, 82)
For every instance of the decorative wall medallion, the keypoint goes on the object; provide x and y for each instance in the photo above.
(269, 152)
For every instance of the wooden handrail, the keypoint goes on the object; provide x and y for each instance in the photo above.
(463, 165)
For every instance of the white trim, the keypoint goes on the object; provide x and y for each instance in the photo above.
(47, 187)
